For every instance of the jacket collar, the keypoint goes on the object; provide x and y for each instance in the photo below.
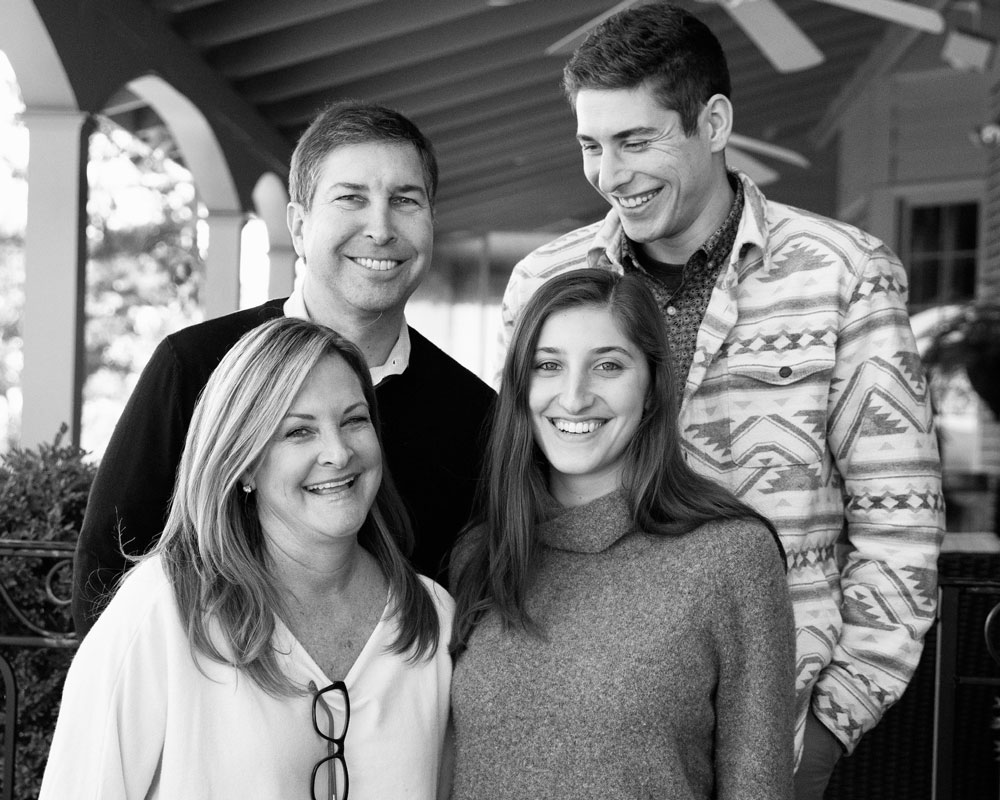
(606, 248)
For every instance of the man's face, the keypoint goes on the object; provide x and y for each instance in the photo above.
(660, 181)
(368, 236)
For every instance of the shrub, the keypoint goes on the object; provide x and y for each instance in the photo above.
(43, 494)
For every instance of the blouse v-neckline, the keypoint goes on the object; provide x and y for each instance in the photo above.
(297, 652)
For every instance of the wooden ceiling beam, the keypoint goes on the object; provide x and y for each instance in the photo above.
(501, 121)
(534, 202)
(308, 57)
(541, 107)
(521, 102)
(516, 101)
(223, 23)
(491, 84)
(354, 31)
(389, 86)
(460, 91)
(492, 170)
(514, 180)
(513, 144)
(552, 121)
(179, 6)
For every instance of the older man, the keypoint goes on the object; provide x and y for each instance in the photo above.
(804, 393)
(363, 181)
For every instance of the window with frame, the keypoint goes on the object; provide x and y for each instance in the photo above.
(938, 247)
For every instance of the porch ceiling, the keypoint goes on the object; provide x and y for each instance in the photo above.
(475, 78)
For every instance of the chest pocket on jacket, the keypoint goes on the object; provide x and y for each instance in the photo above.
(777, 409)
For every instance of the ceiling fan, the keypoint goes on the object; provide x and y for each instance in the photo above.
(784, 44)
(781, 41)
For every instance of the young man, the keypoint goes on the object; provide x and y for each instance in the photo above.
(803, 390)
(363, 181)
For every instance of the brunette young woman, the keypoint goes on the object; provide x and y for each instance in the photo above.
(623, 626)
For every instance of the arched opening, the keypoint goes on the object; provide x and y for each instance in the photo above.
(48, 335)
(270, 198)
(13, 222)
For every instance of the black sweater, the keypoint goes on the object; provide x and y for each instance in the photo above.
(433, 418)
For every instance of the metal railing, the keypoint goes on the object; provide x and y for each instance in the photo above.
(20, 629)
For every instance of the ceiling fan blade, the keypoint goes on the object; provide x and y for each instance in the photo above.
(767, 149)
(910, 14)
(779, 39)
(569, 42)
(759, 173)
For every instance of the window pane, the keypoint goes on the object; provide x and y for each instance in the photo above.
(963, 279)
(965, 222)
(925, 226)
(940, 253)
(924, 274)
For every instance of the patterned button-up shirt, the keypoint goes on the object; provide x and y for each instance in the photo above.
(684, 305)
(807, 398)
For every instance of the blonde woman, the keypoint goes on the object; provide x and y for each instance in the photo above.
(276, 643)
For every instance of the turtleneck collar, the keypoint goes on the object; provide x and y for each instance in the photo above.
(590, 528)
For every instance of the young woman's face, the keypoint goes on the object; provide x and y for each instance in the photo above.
(322, 469)
(587, 394)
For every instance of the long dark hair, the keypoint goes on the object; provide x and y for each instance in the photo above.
(664, 495)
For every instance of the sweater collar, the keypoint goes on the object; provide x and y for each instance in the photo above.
(590, 528)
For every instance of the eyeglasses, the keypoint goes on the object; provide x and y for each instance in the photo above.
(329, 776)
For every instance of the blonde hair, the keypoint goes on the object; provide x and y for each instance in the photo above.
(213, 548)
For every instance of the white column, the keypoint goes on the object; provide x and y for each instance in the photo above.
(282, 273)
(222, 267)
(55, 264)
(270, 198)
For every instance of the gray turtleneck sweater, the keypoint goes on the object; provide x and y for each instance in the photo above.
(666, 671)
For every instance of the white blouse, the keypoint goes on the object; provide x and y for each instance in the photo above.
(139, 719)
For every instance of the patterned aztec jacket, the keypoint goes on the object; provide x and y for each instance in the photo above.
(807, 398)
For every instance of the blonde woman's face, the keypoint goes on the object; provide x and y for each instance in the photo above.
(322, 469)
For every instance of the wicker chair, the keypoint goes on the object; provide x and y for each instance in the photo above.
(896, 759)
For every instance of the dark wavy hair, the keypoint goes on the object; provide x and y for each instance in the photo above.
(348, 122)
(664, 495)
(661, 45)
(213, 547)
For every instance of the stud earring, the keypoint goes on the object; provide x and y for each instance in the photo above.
(247, 488)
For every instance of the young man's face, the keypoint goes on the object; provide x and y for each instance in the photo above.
(368, 236)
(662, 183)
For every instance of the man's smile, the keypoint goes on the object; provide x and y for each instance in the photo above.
(376, 264)
(636, 200)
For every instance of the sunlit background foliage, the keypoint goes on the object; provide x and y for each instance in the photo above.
(146, 243)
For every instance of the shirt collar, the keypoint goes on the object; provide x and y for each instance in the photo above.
(714, 249)
(398, 359)
(752, 230)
